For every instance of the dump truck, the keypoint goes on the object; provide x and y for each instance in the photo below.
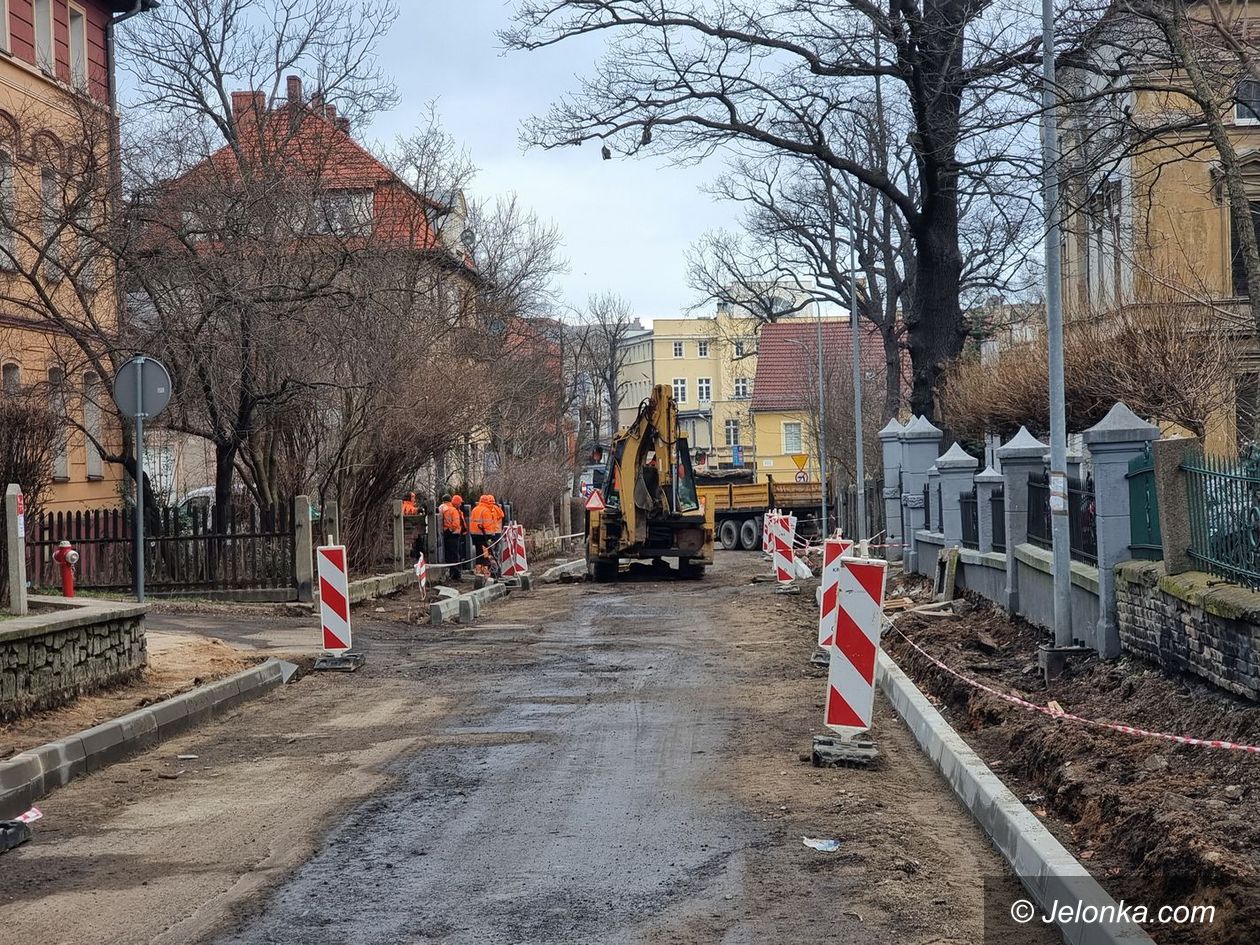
(651, 508)
(739, 509)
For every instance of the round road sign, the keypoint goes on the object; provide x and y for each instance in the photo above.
(802, 476)
(142, 387)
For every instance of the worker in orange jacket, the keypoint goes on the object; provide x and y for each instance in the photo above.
(452, 520)
(485, 523)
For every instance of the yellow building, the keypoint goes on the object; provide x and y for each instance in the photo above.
(1151, 224)
(57, 285)
(710, 364)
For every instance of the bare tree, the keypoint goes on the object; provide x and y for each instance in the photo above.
(692, 78)
(605, 328)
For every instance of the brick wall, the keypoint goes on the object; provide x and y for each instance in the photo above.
(1191, 623)
(49, 659)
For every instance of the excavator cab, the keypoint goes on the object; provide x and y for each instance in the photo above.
(652, 510)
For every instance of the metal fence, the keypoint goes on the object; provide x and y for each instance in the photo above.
(185, 548)
(846, 509)
(1145, 540)
(1224, 506)
(969, 505)
(997, 507)
(1082, 519)
(927, 508)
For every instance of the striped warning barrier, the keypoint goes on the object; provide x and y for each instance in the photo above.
(422, 574)
(855, 645)
(784, 557)
(512, 560)
(833, 550)
(518, 550)
(767, 532)
(334, 597)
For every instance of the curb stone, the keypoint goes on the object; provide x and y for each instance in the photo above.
(465, 607)
(28, 776)
(551, 575)
(1048, 871)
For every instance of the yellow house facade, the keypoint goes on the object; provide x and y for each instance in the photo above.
(710, 363)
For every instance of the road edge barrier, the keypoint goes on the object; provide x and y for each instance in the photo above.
(35, 773)
(574, 568)
(466, 607)
(1050, 873)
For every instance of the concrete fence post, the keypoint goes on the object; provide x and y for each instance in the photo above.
(303, 549)
(1021, 456)
(920, 443)
(332, 523)
(890, 441)
(15, 543)
(400, 536)
(1114, 441)
(957, 469)
(934, 499)
(1174, 500)
(566, 513)
(987, 483)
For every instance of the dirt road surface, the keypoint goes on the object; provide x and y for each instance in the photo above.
(590, 764)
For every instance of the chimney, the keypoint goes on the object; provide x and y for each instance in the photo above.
(247, 103)
(293, 85)
(343, 125)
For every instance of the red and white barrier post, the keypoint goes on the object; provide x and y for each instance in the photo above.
(334, 609)
(512, 560)
(785, 555)
(422, 574)
(829, 599)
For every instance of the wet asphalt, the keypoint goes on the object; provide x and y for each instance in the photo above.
(573, 799)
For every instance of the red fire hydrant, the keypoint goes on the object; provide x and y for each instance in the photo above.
(67, 557)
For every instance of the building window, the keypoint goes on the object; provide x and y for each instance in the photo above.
(6, 36)
(1238, 263)
(344, 213)
(732, 433)
(1104, 274)
(57, 399)
(739, 349)
(8, 211)
(678, 349)
(1247, 409)
(78, 49)
(704, 388)
(44, 36)
(680, 390)
(702, 349)
(1247, 102)
(92, 394)
(12, 378)
(741, 388)
(51, 206)
(792, 442)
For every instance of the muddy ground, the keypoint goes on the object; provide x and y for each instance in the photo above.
(590, 763)
(1154, 821)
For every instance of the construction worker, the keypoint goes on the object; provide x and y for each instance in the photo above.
(453, 534)
(485, 522)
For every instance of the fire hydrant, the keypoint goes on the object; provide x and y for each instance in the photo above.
(67, 557)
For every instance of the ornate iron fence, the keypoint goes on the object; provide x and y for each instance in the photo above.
(1082, 517)
(1145, 540)
(970, 508)
(927, 508)
(997, 507)
(1224, 505)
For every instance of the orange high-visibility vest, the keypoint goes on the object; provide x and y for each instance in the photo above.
(485, 519)
(452, 520)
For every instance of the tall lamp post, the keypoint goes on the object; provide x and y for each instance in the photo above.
(1060, 530)
(856, 335)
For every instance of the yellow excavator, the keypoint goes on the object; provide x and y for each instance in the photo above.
(651, 509)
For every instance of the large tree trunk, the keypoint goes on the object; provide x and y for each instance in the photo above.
(224, 473)
(937, 328)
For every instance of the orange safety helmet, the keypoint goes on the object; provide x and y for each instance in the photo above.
(457, 499)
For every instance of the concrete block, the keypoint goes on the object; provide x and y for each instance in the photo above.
(171, 716)
(102, 744)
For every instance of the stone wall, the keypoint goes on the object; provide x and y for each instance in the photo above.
(1192, 623)
(49, 659)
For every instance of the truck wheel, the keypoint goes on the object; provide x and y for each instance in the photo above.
(728, 534)
(603, 571)
(749, 535)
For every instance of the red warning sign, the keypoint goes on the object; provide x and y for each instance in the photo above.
(596, 502)
(334, 597)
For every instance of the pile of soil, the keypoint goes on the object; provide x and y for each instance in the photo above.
(1156, 822)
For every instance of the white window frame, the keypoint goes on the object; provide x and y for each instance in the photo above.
(6, 34)
(92, 394)
(741, 388)
(739, 349)
(704, 389)
(733, 432)
(788, 448)
(678, 349)
(79, 62)
(702, 349)
(680, 390)
(1247, 111)
(45, 56)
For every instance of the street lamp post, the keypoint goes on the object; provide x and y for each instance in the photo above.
(856, 335)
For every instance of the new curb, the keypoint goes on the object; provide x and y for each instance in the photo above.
(572, 568)
(27, 777)
(465, 607)
(1048, 871)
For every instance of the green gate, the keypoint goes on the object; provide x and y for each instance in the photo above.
(1144, 538)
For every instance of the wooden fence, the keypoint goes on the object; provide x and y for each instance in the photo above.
(185, 549)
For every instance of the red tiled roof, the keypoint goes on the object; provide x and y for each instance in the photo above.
(787, 359)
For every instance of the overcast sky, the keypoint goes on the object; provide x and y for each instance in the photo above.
(626, 224)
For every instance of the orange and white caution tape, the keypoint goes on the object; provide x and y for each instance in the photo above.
(1055, 713)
